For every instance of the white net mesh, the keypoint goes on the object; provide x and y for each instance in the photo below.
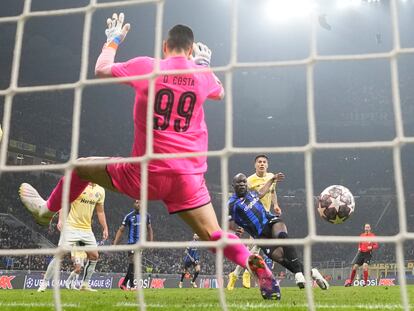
(229, 148)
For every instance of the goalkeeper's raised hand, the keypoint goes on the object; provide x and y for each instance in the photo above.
(202, 54)
(116, 31)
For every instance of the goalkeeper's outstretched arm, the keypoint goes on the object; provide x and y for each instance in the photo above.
(115, 34)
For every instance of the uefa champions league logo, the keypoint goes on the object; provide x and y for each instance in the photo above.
(29, 283)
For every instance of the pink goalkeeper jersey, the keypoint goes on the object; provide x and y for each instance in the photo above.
(179, 124)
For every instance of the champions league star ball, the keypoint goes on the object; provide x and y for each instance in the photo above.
(335, 204)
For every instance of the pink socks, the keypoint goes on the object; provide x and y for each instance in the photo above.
(237, 253)
(77, 185)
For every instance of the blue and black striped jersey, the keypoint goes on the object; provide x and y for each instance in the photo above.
(249, 213)
(191, 254)
(132, 220)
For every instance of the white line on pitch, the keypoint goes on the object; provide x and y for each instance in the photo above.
(250, 306)
(36, 304)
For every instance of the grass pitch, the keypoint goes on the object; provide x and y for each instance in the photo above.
(336, 298)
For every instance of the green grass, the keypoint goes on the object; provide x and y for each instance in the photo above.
(337, 298)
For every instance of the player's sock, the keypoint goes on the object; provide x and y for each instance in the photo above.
(195, 276)
(237, 253)
(77, 185)
(238, 271)
(290, 257)
(49, 270)
(365, 276)
(72, 275)
(353, 272)
(182, 277)
(89, 270)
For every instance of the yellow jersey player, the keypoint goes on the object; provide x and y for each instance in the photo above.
(78, 231)
(259, 178)
(255, 182)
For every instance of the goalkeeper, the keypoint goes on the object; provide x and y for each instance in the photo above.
(178, 127)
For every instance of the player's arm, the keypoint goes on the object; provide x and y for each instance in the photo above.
(202, 57)
(275, 204)
(373, 245)
(115, 34)
(100, 212)
(268, 185)
(119, 234)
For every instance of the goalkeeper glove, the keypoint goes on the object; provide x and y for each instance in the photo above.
(202, 54)
(116, 33)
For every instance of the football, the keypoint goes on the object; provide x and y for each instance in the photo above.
(335, 204)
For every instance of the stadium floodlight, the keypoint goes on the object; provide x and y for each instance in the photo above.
(284, 11)
(344, 4)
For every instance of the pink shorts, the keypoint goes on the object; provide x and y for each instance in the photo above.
(178, 192)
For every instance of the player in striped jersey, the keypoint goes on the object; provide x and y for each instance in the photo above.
(132, 221)
(191, 259)
(78, 231)
(247, 211)
(269, 201)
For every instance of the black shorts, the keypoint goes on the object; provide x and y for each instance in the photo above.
(361, 258)
(267, 234)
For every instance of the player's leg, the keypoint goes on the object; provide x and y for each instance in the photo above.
(183, 273)
(88, 239)
(48, 275)
(233, 276)
(203, 221)
(287, 257)
(129, 277)
(357, 262)
(290, 259)
(44, 210)
(197, 269)
(350, 281)
(365, 273)
(90, 266)
(246, 282)
(71, 281)
(69, 238)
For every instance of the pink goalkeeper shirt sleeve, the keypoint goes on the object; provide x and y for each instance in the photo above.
(103, 67)
(216, 90)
